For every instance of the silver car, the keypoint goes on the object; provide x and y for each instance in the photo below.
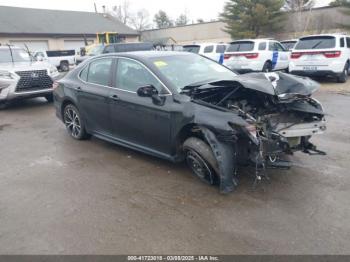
(22, 77)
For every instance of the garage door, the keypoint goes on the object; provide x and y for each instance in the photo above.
(32, 45)
(75, 44)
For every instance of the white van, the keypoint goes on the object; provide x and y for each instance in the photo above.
(322, 55)
(256, 55)
(210, 50)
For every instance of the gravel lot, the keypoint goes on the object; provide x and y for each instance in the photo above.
(60, 196)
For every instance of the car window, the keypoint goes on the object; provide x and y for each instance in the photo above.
(274, 46)
(342, 42)
(279, 47)
(191, 48)
(315, 42)
(188, 69)
(220, 49)
(262, 46)
(241, 46)
(109, 49)
(289, 45)
(131, 75)
(348, 42)
(84, 73)
(209, 49)
(100, 72)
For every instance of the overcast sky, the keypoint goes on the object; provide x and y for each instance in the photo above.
(205, 9)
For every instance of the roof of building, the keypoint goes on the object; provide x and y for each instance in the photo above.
(18, 20)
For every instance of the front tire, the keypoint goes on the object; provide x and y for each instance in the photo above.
(343, 77)
(267, 67)
(74, 123)
(201, 160)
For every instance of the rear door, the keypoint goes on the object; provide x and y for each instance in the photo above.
(280, 57)
(93, 95)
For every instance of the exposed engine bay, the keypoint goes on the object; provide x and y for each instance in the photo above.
(277, 122)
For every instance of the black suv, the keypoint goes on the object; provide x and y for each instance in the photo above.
(182, 106)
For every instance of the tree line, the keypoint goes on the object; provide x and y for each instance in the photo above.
(243, 18)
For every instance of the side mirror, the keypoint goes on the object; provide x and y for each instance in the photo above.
(147, 91)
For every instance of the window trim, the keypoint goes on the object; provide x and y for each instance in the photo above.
(114, 64)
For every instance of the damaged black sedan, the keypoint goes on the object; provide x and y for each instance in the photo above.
(181, 106)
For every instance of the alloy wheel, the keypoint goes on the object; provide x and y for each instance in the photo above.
(72, 122)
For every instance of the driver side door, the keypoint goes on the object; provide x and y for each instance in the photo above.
(136, 120)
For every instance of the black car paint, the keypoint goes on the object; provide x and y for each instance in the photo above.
(159, 129)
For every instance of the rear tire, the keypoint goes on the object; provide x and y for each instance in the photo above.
(201, 160)
(64, 66)
(74, 123)
(267, 67)
(343, 77)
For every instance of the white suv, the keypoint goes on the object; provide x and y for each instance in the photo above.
(322, 55)
(22, 77)
(256, 55)
(210, 50)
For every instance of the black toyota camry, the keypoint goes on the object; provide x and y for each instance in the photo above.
(181, 106)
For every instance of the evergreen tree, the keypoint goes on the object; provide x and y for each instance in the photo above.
(252, 18)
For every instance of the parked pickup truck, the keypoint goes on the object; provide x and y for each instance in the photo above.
(60, 59)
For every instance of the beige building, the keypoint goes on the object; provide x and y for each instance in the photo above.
(189, 34)
(41, 29)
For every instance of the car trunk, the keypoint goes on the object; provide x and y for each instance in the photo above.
(315, 51)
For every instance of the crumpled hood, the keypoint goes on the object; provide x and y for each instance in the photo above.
(25, 66)
(278, 83)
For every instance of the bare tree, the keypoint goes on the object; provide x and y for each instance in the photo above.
(140, 20)
(302, 14)
(122, 12)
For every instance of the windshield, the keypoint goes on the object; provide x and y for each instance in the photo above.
(184, 70)
(191, 48)
(96, 50)
(19, 55)
(289, 45)
(241, 46)
(316, 42)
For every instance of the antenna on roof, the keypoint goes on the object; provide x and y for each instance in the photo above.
(95, 7)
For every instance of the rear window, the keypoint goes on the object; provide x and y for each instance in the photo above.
(60, 53)
(241, 46)
(288, 45)
(191, 48)
(316, 42)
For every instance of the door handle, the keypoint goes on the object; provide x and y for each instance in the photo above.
(114, 97)
(78, 89)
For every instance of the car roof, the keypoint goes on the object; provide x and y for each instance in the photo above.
(253, 40)
(289, 40)
(335, 35)
(146, 54)
(199, 44)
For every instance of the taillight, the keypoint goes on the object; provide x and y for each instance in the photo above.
(328, 54)
(296, 55)
(332, 54)
(227, 56)
(251, 56)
